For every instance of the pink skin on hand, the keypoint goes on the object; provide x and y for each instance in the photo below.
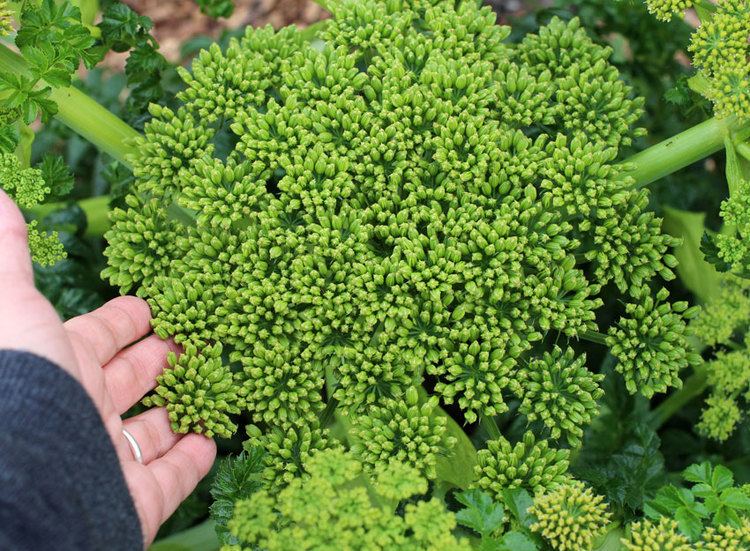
(114, 356)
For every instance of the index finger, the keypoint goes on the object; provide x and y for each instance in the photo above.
(112, 327)
(14, 244)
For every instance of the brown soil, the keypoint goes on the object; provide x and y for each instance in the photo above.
(176, 21)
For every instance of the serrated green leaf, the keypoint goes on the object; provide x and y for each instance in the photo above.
(480, 513)
(518, 501)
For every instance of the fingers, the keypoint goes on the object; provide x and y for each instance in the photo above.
(153, 433)
(179, 471)
(159, 488)
(106, 331)
(14, 245)
(132, 372)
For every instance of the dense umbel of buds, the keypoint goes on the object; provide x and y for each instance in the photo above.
(650, 342)
(408, 199)
(570, 517)
(648, 535)
(27, 187)
(722, 324)
(529, 464)
(333, 508)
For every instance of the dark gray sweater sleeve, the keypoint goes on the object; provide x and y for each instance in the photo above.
(61, 485)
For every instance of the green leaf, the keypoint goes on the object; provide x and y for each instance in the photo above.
(122, 28)
(736, 499)
(695, 272)
(518, 502)
(57, 176)
(516, 541)
(480, 513)
(457, 467)
(216, 8)
(237, 478)
(689, 523)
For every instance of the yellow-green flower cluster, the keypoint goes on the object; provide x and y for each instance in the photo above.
(6, 18)
(408, 200)
(650, 343)
(648, 535)
(570, 517)
(26, 186)
(198, 392)
(722, 323)
(734, 247)
(405, 431)
(724, 314)
(334, 507)
(724, 537)
(286, 451)
(721, 49)
(666, 9)
(529, 464)
(560, 392)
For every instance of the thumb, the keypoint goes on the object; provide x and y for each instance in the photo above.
(15, 259)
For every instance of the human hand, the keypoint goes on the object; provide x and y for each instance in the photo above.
(107, 353)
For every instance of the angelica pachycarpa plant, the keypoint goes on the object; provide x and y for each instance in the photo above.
(369, 235)
(412, 207)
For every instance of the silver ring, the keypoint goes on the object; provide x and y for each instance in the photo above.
(133, 446)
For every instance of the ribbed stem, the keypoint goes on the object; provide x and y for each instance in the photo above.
(82, 114)
(595, 337)
(682, 150)
(691, 388)
(490, 425)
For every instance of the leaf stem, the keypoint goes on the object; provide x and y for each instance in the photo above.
(744, 150)
(81, 113)
(684, 149)
(490, 425)
(691, 388)
(198, 538)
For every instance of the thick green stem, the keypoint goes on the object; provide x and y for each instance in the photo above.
(96, 209)
(691, 388)
(82, 114)
(595, 337)
(682, 150)
(744, 150)
(198, 538)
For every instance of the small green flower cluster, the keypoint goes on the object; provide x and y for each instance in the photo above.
(650, 342)
(666, 9)
(198, 392)
(335, 507)
(721, 49)
(649, 535)
(26, 186)
(562, 393)
(409, 200)
(570, 517)
(529, 464)
(404, 431)
(722, 324)
(734, 247)
(664, 535)
(6, 19)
